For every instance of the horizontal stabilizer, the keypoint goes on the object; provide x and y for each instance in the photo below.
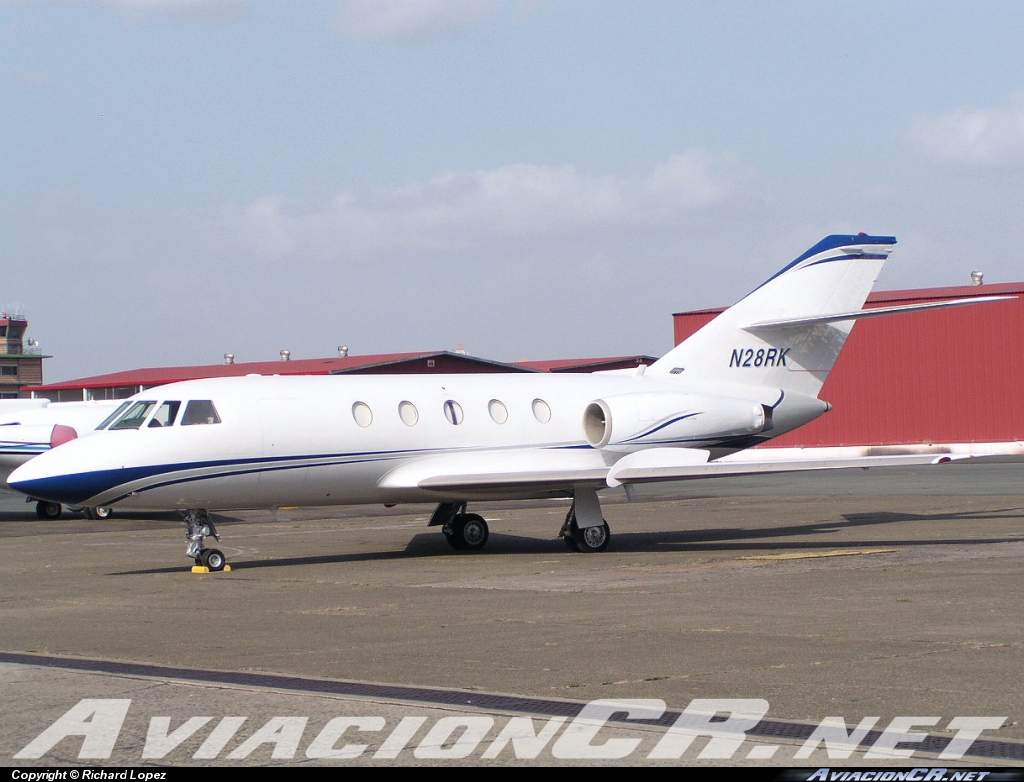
(680, 464)
(767, 325)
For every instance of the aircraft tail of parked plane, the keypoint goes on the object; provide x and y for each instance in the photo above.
(751, 374)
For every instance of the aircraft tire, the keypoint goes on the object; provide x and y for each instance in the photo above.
(212, 558)
(469, 533)
(591, 540)
(453, 540)
(48, 510)
(100, 512)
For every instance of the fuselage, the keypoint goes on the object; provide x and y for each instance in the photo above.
(266, 441)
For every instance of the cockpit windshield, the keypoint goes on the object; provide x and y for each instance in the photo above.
(116, 414)
(133, 416)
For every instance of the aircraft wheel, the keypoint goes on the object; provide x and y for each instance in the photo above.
(469, 533)
(212, 558)
(590, 540)
(453, 540)
(48, 510)
(99, 513)
(474, 532)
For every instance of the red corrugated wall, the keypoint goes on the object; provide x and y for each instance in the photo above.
(943, 376)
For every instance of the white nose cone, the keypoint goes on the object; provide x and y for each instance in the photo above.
(65, 474)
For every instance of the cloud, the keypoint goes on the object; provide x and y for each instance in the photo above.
(473, 209)
(410, 21)
(516, 260)
(694, 178)
(181, 10)
(990, 138)
(454, 214)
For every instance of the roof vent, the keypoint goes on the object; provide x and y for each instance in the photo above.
(229, 358)
(286, 355)
(342, 351)
(977, 278)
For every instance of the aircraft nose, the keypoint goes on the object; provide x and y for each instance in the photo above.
(47, 488)
(47, 477)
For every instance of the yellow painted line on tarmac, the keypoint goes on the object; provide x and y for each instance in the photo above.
(821, 554)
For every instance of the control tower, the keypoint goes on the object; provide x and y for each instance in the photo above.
(20, 364)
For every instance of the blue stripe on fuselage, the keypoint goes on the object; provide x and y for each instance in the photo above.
(76, 489)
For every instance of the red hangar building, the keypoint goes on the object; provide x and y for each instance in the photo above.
(948, 377)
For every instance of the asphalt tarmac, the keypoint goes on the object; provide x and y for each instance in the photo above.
(888, 595)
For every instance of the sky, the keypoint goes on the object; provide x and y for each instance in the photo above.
(525, 179)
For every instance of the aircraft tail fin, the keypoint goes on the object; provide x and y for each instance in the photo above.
(785, 333)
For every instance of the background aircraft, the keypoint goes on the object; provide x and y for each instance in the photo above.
(751, 374)
(29, 427)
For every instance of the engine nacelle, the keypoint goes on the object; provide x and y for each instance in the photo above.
(666, 419)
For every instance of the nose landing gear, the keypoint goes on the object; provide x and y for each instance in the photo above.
(198, 528)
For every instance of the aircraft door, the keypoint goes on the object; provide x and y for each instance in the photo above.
(286, 436)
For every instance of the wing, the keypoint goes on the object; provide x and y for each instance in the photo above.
(661, 464)
(540, 471)
(520, 471)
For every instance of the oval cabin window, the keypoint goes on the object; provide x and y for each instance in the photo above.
(362, 414)
(409, 414)
(541, 411)
(498, 411)
(453, 412)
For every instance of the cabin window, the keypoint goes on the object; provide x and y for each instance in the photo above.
(116, 414)
(165, 414)
(541, 411)
(9, 370)
(498, 411)
(453, 412)
(200, 411)
(362, 414)
(408, 413)
(133, 416)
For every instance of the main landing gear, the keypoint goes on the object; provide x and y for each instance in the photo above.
(49, 511)
(584, 530)
(198, 528)
(585, 540)
(463, 531)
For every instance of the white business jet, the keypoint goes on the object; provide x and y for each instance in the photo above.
(751, 374)
(29, 427)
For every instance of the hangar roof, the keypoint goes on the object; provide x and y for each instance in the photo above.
(154, 376)
(434, 361)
